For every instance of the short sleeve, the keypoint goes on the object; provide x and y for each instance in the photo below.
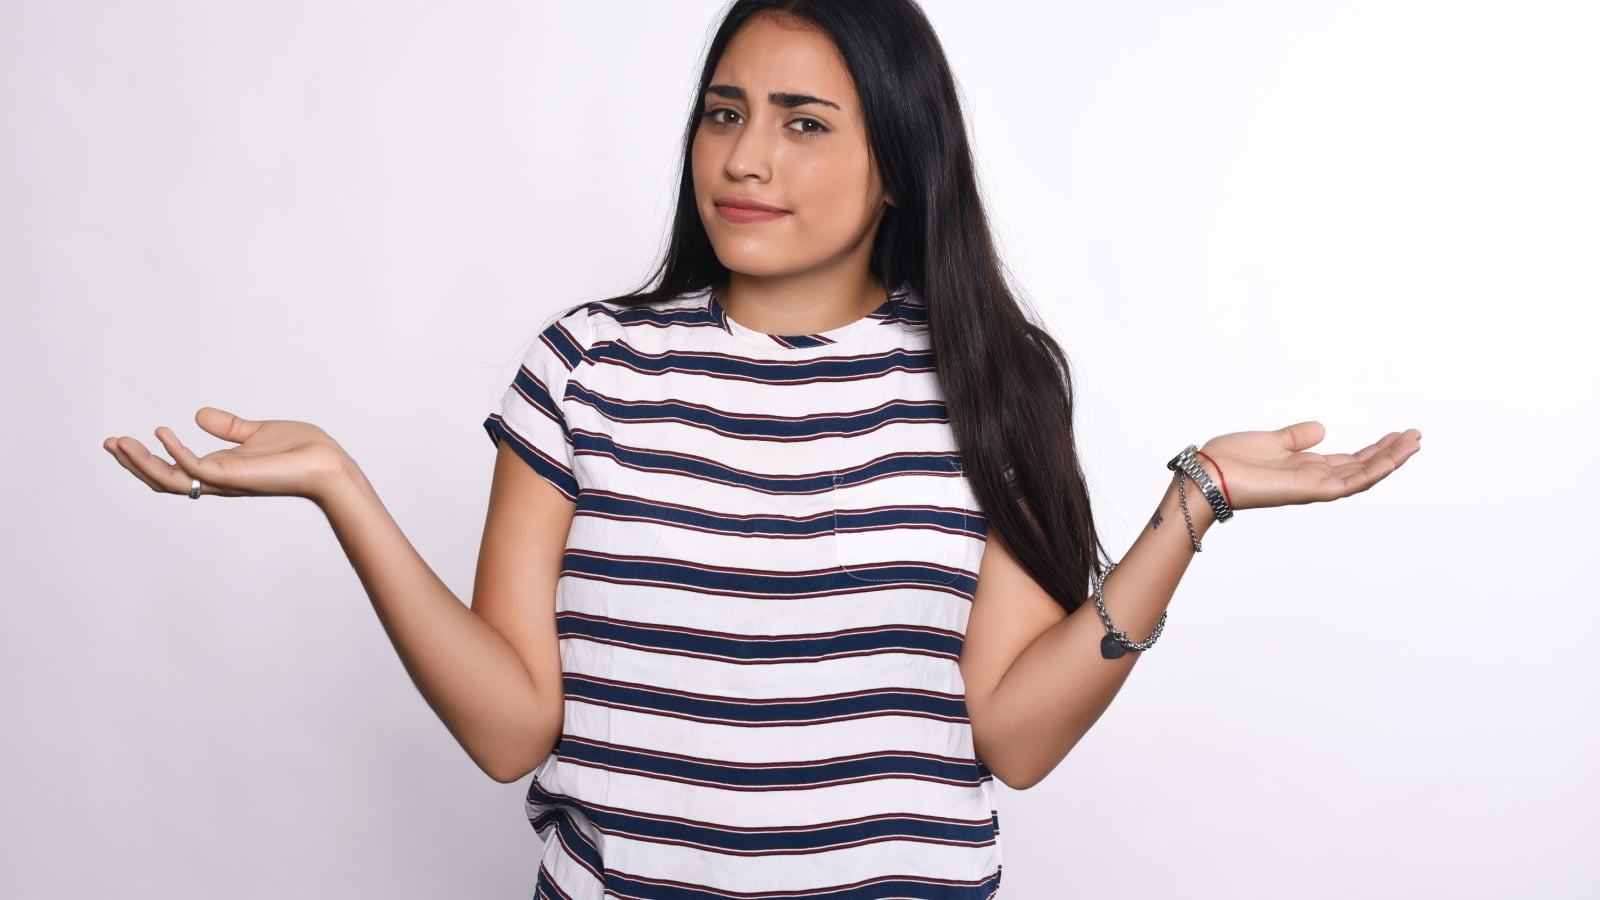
(531, 418)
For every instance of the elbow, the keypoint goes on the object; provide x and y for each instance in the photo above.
(1018, 778)
(1021, 784)
(1020, 767)
(509, 763)
(505, 771)
(505, 774)
(508, 756)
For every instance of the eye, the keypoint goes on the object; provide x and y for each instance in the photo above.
(721, 116)
(808, 127)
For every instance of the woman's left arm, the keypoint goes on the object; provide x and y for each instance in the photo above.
(1035, 677)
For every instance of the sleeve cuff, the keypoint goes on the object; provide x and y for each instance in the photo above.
(557, 473)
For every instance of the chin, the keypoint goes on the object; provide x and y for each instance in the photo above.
(752, 261)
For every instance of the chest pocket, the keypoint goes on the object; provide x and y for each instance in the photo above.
(910, 527)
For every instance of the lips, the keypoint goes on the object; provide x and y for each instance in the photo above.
(741, 210)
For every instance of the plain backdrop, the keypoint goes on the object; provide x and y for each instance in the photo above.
(1379, 213)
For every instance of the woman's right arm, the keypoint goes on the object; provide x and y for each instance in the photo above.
(492, 673)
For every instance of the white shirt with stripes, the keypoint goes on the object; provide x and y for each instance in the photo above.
(760, 610)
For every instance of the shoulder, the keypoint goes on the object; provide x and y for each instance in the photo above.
(587, 328)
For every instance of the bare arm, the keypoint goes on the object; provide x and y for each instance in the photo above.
(1036, 681)
(1035, 678)
(492, 673)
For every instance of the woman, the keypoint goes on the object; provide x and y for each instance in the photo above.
(781, 554)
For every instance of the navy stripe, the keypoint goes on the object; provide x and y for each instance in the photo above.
(910, 314)
(901, 887)
(784, 840)
(810, 371)
(547, 889)
(744, 648)
(933, 518)
(757, 712)
(617, 506)
(594, 444)
(756, 583)
(802, 341)
(714, 313)
(769, 776)
(559, 818)
(562, 344)
(661, 318)
(552, 469)
(765, 427)
(533, 390)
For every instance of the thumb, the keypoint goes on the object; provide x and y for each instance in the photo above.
(225, 425)
(1301, 436)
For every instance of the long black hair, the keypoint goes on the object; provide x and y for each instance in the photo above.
(1008, 393)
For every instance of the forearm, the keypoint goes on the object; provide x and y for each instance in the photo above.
(466, 671)
(1058, 687)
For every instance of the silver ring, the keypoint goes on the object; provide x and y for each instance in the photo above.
(194, 489)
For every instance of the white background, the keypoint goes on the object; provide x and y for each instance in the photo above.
(1233, 214)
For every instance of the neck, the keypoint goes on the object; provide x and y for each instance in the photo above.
(807, 303)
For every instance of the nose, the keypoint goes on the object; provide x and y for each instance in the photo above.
(750, 156)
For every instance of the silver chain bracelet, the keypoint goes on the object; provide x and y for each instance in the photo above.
(1183, 504)
(1116, 643)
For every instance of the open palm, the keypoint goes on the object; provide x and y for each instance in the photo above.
(1275, 468)
(273, 458)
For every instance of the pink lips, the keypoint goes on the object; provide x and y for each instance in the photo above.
(741, 211)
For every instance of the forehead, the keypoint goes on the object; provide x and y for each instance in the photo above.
(769, 53)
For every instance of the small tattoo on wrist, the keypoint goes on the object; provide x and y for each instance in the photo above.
(1155, 521)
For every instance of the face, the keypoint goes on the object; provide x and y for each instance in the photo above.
(783, 176)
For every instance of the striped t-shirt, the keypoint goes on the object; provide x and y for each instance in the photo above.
(760, 610)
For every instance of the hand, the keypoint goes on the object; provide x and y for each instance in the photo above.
(1272, 468)
(274, 458)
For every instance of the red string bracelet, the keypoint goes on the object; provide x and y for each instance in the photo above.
(1220, 477)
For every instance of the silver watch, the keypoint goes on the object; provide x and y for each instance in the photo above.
(1186, 463)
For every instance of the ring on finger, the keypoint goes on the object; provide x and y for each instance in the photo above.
(194, 489)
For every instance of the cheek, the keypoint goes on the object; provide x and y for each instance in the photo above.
(833, 184)
(840, 192)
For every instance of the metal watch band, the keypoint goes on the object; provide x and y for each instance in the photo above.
(1186, 463)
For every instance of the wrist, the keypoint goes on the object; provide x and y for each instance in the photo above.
(1200, 513)
(1218, 477)
(343, 487)
(1187, 466)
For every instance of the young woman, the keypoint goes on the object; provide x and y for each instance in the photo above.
(782, 555)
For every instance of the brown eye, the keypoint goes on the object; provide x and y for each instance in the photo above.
(808, 127)
(721, 116)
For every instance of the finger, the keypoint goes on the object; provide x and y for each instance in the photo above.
(189, 465)
(1389, 444)
(1363, 474)
(225, 425)
(1369, 473)
(114, 447)
(153, 470)
(1301, 436)
(1404, 446)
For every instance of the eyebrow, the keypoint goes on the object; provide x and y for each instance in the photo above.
(781, 98)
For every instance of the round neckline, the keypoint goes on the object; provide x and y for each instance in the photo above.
(888, 309)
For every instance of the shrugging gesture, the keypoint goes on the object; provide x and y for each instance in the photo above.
(811, 500)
